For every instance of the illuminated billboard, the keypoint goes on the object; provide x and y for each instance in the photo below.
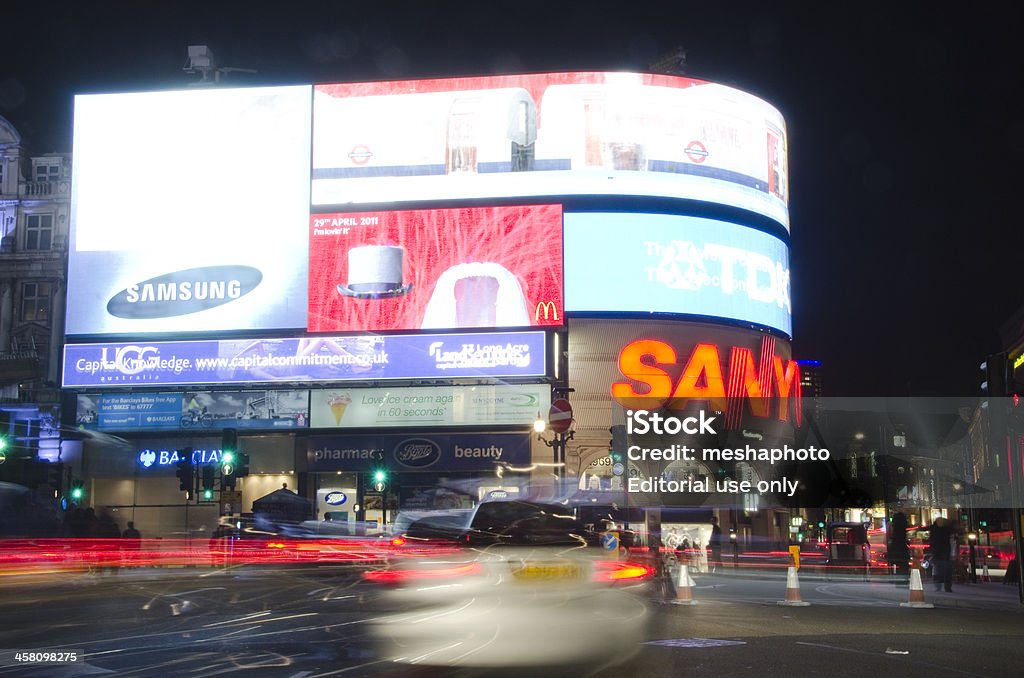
(436, 269)
(189, 211)
(193, 410)
(434, 406)
(359, 358)
(548, 134)
(659, 263)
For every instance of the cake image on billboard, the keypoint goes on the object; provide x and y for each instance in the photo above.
(338, 403)
(482, 294)
(375, 272)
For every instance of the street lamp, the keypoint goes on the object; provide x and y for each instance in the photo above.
(558, 443)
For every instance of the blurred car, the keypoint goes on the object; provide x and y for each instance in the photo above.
(407, 518)
(529, 587)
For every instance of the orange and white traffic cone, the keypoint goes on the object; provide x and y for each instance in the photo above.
(916, 592)
(793, 598)
(684, 587)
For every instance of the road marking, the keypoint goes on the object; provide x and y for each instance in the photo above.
(695, 642)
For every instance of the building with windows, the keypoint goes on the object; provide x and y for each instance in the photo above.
(35, 197)
(35, 202)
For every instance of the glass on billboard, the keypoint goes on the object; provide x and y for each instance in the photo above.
(194, 206)
(192, 410)
(663, 263)
(548, 134)
(436, 269)
(308, 359)
(483, 405)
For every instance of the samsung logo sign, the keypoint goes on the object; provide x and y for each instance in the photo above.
(184, 292)
(417, 453)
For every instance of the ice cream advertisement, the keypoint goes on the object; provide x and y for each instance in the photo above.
(436, 269)
(483, 405)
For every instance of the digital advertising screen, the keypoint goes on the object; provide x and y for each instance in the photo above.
(549, 134)
(660, 263)
(433, 406)
(192, 410)
(436, 269)
(308, 359)
(189, 211)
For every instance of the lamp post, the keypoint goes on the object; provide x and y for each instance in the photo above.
(972, 539)
(558, 443)
(735, 548)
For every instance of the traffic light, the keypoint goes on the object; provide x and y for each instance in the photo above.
(208, 482)
(77, 491)
(821, 524)
(993, 374)
(186, 477)
(617, 445)
(229, 441)
(228, 466)
(380, 479)
(228, 458)
(242, 466)
(5, 430)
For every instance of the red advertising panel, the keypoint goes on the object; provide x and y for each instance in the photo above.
(436, 269)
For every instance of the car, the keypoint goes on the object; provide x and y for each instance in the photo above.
(526, 573)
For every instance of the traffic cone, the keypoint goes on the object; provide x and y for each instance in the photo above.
(684, 587)
(793, 598)
(916, 592)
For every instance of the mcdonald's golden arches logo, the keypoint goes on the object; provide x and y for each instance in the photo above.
(549, 309)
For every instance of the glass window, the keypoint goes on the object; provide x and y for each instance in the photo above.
(47, 171)
(38, 231)
(35, 301)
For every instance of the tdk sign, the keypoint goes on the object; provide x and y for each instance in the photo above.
(184, 292)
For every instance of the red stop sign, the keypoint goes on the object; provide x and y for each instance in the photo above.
(560, 415)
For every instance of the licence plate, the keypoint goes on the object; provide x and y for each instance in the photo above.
(547, 571)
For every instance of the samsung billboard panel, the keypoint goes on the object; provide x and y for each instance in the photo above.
(548, 134)
(436, 269)
(189, 211)
(660, 263)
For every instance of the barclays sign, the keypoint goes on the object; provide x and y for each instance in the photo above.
(149, 458)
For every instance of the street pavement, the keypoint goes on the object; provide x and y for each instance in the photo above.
(300, 623)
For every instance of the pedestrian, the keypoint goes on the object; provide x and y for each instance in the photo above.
(940, 540)
(715, 544)
(133, 536)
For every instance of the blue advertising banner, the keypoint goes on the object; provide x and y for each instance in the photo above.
(193, 410)
(135, 411)
(415, 356)
(663, 263)
(410, 453)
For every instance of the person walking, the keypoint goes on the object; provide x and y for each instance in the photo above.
(715, 544)
(940, 540)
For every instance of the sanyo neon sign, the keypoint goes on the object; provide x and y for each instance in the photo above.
(770, 384)
(148, 458)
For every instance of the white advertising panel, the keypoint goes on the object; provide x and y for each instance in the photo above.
(660, 263)
(189, 211)
(547, 135)
(429, 406)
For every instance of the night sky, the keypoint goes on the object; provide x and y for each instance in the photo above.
(906, 129)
